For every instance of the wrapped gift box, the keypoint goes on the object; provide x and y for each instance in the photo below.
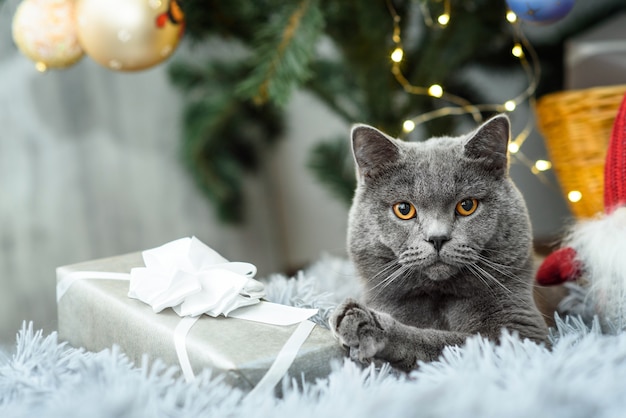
(96, 314)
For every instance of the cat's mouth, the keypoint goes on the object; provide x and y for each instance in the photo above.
(440, 270)
(434, 267)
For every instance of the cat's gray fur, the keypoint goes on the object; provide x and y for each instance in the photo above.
(417, 299)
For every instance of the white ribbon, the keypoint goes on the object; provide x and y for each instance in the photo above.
(68, 280)
(284, 359)
(193, 279)
(180, 336)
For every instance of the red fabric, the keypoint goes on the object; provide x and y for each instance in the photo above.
(559, 267)
(615, 168)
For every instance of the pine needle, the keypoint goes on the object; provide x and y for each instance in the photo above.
(285, 47)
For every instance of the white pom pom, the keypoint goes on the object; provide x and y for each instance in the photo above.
(601, 247)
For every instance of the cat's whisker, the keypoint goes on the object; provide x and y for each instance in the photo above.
(477, 272)
(388, 279)
(395, 276)
(485, 274)
(399, 274)
(501, 268)
(385, 271)
(505, 270)
(504, 266)
(386, 267)
(488, 252)
(498, 252)
(504, 250)
(512, 295)
(469, 267)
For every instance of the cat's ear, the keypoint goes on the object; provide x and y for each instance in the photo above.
(490, 144)
(372, 150)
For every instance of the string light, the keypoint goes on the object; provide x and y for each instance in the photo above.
(408, 126)
(460, 106)
(511, 17)
(509, 105)
(443, 19)
(397, 55)
(543, 165)
(574, 196)
(435, 90)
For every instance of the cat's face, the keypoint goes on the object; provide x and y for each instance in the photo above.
(425, 213)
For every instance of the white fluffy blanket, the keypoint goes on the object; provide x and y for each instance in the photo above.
(582, 376)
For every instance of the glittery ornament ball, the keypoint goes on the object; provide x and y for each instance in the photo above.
(540, 11)
(45, 31)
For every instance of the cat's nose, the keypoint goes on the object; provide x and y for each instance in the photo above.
(438, 241)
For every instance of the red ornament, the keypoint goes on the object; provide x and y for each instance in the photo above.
(559, 267)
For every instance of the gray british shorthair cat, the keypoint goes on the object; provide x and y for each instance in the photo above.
(441, 238)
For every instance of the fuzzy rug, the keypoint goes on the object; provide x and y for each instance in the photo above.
(582, 376)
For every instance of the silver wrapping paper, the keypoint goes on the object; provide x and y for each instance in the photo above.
(97, 313)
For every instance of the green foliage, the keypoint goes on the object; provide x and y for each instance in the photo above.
(341, 180)
(224, 136)
(283, 49)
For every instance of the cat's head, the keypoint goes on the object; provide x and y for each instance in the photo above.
(426, 213)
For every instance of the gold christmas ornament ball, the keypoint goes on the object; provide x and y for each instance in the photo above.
(129, 35)
(45, 31)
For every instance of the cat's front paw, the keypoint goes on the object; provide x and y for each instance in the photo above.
(360, 329)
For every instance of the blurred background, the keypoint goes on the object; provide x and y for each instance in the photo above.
(237, 132)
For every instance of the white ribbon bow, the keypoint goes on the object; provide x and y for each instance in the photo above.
(193, 279)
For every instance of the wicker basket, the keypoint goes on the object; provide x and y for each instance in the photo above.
(577, 125)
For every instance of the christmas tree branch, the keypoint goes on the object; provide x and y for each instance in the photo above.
(285, 46)
(224, 135)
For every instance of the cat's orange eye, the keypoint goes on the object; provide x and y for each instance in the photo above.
(466, 207)
(404, 210)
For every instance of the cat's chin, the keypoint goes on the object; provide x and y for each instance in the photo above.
(440, 271)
